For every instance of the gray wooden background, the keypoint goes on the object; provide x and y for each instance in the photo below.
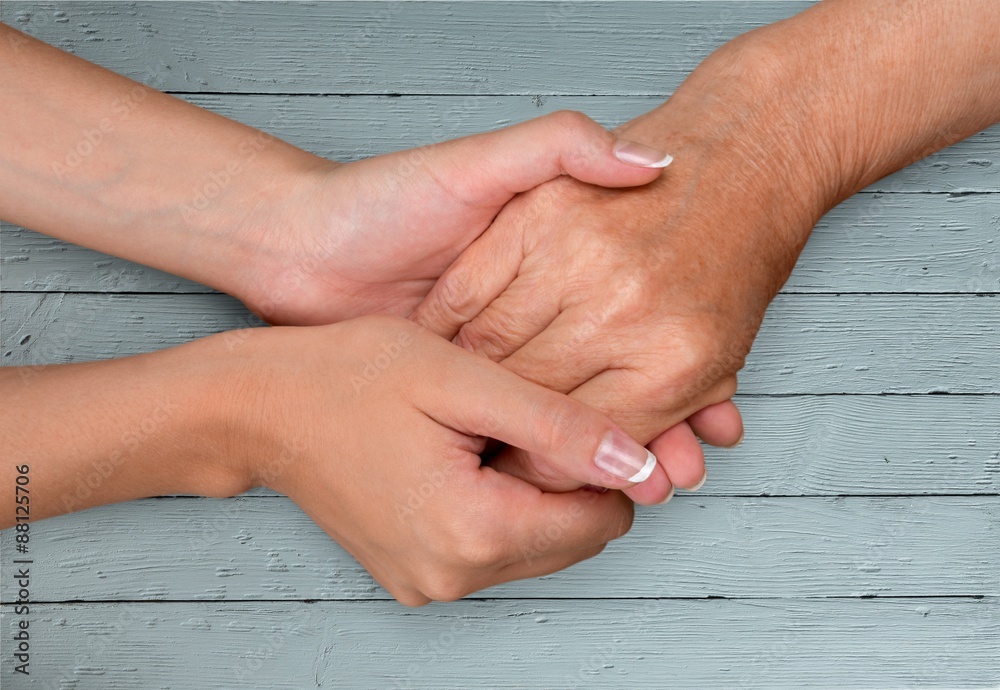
(852, 541)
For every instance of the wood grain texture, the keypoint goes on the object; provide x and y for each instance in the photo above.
(265, 548)
(399, 47)
(831, 499)
(870, 243)
(538, 644)
(808, 343)
(349, 128)
(850, 445)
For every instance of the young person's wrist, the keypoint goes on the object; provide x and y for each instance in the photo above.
(213, 438)
(240, 241)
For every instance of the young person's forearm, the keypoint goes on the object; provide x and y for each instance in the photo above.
(104, 432)
(94, 158)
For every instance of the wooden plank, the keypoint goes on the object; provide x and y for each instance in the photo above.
(398, 47)
(697, 546)
(870, 243)
(347, 129)
(858, 445)
(350, 128)
(833, 445)
(808, 344)
(531, 644)
(867, 445)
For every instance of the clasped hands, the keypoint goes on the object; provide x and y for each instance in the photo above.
(578, 333)
(551, 286)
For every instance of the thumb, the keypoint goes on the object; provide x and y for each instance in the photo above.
(519, 158)
(573, 439)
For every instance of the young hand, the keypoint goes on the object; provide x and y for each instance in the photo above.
(387, 421)
(373, 426)
(99, 160)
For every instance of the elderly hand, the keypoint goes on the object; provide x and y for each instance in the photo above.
(618, 299)
(642, 303)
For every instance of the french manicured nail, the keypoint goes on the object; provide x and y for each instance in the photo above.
(641, 155)
(622, 457)
(699, 484)
(669, 496)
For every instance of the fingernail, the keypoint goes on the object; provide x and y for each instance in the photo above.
(620, 456)
(701, 483)
(669, 495)
(641, 155)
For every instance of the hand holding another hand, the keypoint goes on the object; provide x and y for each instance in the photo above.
(373, 236)
(374, 428)
(620, 299)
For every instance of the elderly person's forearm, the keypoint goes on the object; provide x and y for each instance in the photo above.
(813, 109)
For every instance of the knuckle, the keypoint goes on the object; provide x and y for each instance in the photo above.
(477, 550)
(582, 138)
(454, 299)
(570, 119)
(691, 360)
(471, 540)
(413, 600)
(442, 586)
(727, 389)
(482, 337)
(637, 293)
(688, 367)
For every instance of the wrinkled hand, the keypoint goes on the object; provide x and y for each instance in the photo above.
(374, 428)
(622, 299)
(373, 236)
